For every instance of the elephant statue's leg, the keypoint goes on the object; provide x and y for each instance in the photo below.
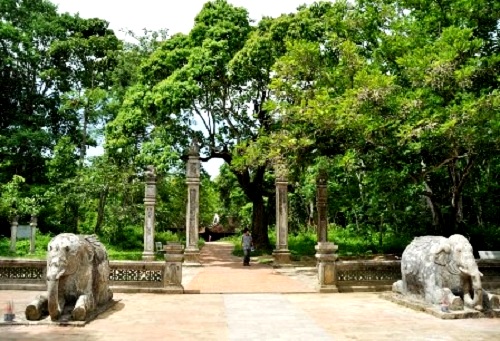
(491, 301)
(456, 303)
(453, 302)
(37, 308)
(398, 287)
(83, 304)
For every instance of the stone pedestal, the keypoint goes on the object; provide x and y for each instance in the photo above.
(192, 252)
(149, 220)
(13, 234)
(281, 254)
(33, 225)
(321, 203)
(174, 256)
(327, 276)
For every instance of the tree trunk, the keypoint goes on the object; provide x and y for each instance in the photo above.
(458, 178)
(254, 190)
(83, 146)
(100, 209)
(259, 224)
(437, 217)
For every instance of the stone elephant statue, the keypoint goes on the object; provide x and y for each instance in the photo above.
(443, 270)
(77, 273)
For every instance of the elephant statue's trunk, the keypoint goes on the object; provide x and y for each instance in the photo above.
(53, 299)
(477, 302)
(474, 278)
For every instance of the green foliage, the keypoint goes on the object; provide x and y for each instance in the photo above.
(302, 244)
(116, 251)
(11, 202)
(128, 238)
(169, 236)
(15, 202)
(352, 243)
(396, 101)
(23, 247)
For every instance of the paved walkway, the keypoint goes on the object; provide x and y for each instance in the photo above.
(251, 316)
(224, 273)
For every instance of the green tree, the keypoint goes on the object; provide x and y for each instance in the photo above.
(414, 107)
(90, 52)
(53, 70)
(28, 95)
(218, 76)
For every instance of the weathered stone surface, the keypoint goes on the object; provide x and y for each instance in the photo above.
(443, 271)
(321, 203)
(77, 274)
(174, 256)
(419, 305)
(149, 216)
(13, 234)
(327, 275)
(192, 252)
(281, 254)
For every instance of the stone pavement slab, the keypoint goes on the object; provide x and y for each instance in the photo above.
(269, 317)
(224, 273)
(348, 316)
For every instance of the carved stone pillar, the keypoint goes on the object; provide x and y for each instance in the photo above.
(174, 256)
(192, 252)
(149, 221)
(321, 201)
(33, 224)
(281, 254)
(327, 275)
(13, 234)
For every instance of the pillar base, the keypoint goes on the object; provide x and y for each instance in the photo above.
(327, 273)
(148, 256)
(192, 257)
(282, 257)
(173, 275)
(328, 289)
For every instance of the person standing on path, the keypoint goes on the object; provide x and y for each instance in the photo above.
(246, 244)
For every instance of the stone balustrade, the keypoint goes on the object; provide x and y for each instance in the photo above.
(161, 277)
(125, 276)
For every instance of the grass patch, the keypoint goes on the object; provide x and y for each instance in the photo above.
(354, 244)
(23, 247)
(350, 244)
(41, 242)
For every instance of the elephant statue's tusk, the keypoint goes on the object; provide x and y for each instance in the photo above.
(464, 271)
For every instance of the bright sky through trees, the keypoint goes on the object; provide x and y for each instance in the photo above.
(176, 16)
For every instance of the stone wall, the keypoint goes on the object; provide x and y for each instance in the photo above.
(491, 274)
(125, 276)
(23, 274)
(367, 275)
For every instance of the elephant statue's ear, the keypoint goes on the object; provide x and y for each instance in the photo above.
(441, 253)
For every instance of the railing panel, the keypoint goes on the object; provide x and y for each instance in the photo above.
(372, 275)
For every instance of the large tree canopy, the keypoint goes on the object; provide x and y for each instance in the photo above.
(414, 111)
(45, 58)
(396, 100)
